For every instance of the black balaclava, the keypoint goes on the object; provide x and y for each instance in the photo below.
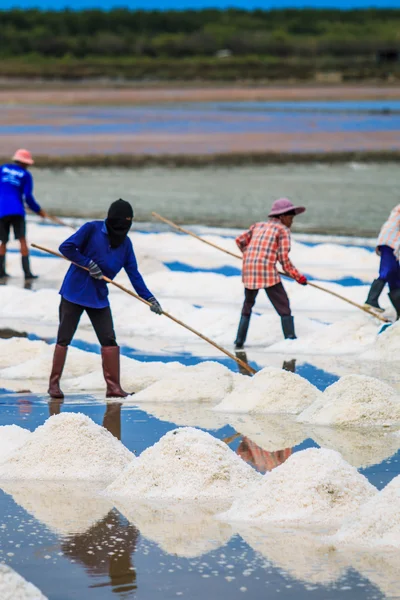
(119, 222)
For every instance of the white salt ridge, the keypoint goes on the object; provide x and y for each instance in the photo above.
(376, 524)
(11, 438)
(270, 391)
(355, 400)
(208, 381)
(16, 351)
(386, 347)
(312, 486)
(69, 446)
(186, 529)
(185, 464)
(15, 587)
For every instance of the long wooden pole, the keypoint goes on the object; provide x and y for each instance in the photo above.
(59, 221)
(169, 316)
(310, 283)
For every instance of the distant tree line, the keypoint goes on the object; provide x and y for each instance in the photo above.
(283, 34)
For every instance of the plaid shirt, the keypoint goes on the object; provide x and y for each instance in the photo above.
(263, 245)
(390, 232)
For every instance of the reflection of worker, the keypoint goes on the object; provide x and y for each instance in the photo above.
(112, 419)
(106, 549)
(261, 459)
(16, 188)
(388, 248)
(263, 246)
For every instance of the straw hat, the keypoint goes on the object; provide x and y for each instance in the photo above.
(283, 206)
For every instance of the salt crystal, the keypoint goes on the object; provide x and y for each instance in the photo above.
(11, 438)
(15, 587)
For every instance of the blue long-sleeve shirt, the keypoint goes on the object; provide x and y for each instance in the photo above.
(16, 187)
(91, 242)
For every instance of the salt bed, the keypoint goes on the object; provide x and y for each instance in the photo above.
(66, 508)
(185, 529)
(184, 464)
(386, 346)
(187, 414)
(208, 381)
(270, 391)
(11, 438)
(271, 433)
(313, 486)
(376, 524)
(304, 555)
(361, 447)
(15, 587)
(68, 446)
(355, 400)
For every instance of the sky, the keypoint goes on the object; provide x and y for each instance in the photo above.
(195, 4)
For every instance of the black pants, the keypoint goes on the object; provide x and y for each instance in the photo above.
(101, 319)
(17, 222)
(277, 296)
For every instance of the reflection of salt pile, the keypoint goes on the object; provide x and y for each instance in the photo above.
(314, 485)
(381, 568)
(64, 507)
(270, 391)
(377, 523)
(386, 345)
(187, 414)
(135, 375)
(360, 447)
(68, 446)
(184, 529)
(302, 554)
(270, 432)
(208, 381)
(185, 464)
(11, 438)
(355, 400)
(15, 587)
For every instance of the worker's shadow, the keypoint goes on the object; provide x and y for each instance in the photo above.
(288, 365)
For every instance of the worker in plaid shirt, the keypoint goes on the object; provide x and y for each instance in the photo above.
(388, 248)
(263, 245)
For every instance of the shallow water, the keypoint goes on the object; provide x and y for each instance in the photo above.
(347, 199)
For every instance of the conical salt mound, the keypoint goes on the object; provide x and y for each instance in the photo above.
(270, 391)
(312, 486)
(15, 587)
(355, 400)
(377, 523)
(185, 464)
(11, 438)
(68, 446)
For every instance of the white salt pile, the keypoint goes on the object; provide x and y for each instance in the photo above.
(18, 350)
(312, 486)
(355, 400)
(15, 587)
(208, 381)
(386, 347)
(303, 554)
(66, 508)
(271, 391)
(376, 523)
(11, 438)
(68, 446)
(185, 464)
(186, 529)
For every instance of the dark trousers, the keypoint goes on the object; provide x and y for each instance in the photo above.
(277, 296)
(389, 270)
(101, 319)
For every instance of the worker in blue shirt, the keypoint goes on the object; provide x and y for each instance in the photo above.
(16, 187)
(101, 247)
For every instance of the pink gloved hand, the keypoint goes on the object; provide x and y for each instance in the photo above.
(302, 280)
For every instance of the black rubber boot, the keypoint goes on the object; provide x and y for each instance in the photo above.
(375, 291)
(242, 331)
(3, 267)
(395, 300)
(288, 328)
(27, 269)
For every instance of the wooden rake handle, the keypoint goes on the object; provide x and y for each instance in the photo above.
(310, 283)
(169, 316)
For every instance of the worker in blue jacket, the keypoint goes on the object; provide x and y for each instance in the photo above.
(16, 188)
(101, 247)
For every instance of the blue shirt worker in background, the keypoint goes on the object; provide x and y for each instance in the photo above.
(16, 188)
(101, 247)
